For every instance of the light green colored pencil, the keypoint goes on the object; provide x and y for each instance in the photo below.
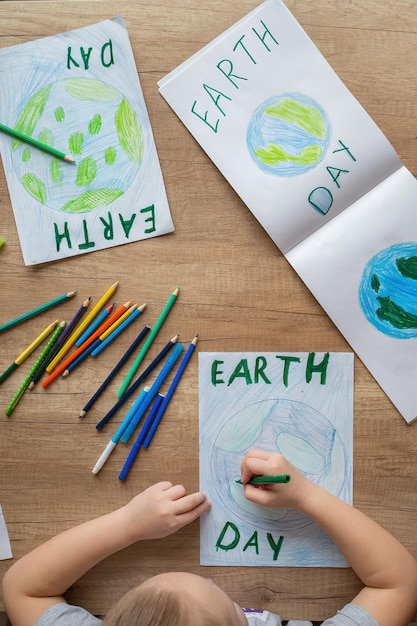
(147, 344)
(25, 384)
(42, 146)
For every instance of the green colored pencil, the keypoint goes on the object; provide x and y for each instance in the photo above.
(38, 362)
(39, 309)
(42, 146)
(147, 344)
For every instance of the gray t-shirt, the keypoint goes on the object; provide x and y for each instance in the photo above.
(62, 614)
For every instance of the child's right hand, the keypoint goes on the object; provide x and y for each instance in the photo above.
(161, 510)
(275, 495)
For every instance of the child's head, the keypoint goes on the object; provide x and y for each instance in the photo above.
(176, 598)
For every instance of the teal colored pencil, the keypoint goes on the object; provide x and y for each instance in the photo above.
(35, 366)
(42, 146)
(39, 309)
(162, 317)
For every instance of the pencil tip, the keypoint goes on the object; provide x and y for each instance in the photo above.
(81, 415)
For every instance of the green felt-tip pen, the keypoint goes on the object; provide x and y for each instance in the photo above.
(264, 480)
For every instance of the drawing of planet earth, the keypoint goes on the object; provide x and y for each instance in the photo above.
(388, 290)
(90, 121)
(299, 432)
(288, 135)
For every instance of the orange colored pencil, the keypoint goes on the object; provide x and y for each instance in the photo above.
(61, 368)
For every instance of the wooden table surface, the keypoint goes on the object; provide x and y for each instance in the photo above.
(237, 291)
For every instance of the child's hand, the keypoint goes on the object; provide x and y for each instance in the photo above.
(287, 495)
(161, 510)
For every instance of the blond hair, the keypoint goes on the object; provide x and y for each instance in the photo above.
(157, 604)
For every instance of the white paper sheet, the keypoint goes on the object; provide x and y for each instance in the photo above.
(5, 548)
(80, 93)
(297, 404)
(320, 177)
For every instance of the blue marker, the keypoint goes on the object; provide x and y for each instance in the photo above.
(141, 437)
(114, 440)
(177, 377)
(139, 412)
(146, 402)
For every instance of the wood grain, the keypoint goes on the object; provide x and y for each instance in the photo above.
(237, 291)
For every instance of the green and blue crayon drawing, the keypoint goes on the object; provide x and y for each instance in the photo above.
(388, 291)
(288, 135)
(90, 121)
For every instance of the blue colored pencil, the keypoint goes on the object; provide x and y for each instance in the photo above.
(180, 371)
(104, 343)
(94, 325)
(114, 371)
(140, 411)
(137, 382)
(141, 437)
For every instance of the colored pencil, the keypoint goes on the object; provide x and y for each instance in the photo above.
(162, 317)
(38, 362)
(115, 370)
(141, 437)
(137, 382)
(39, 309)
(97, 342)
(37, 375)
(61, 339)
(187, 356)
(95, 324)
(116, 437)
(81, 328)
(63, 366)
(136, 413)
(265, 480)
(34, 142)
(112, 333)
(19, 360)
(75, 319)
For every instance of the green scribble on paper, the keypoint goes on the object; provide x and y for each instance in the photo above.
(90, 89)
(55, 171)
(407, 267)
(34, 186)
(395, 314)
(306, 117)
(273, 154)
(375, 283)
(129, 132)
(91, 200)
(26, 155)
(76, 143)
(110, 155)
(59, 114)
(46, 136)
(30, 115)
(86, 172)
(94, 125)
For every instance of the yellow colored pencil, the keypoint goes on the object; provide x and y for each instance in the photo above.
(81, 328)
(35, 343)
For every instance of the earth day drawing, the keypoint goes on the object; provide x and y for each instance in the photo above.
(388, 290)
(296, 404)
(92, 122)
(299, 432)
(80, 92)
(288, 134)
